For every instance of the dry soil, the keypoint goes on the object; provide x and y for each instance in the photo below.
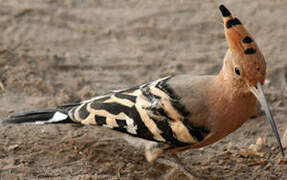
(55, 52)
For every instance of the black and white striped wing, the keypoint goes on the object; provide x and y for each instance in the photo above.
(151, 111)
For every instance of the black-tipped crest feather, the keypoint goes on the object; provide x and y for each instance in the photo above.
(224, 11)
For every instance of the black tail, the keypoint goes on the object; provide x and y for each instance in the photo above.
(40, 116)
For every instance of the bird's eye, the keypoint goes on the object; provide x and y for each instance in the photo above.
(237, 71)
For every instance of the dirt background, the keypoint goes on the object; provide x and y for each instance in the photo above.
(61, 51)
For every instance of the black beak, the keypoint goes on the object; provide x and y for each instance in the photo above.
(258, 92)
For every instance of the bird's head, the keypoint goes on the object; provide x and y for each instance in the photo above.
(244, 64)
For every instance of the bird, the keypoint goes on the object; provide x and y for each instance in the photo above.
(177, 112)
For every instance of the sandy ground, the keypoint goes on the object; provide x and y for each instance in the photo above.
(56, 52)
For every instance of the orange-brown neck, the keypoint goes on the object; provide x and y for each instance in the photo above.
(229, 92)
(230, 108)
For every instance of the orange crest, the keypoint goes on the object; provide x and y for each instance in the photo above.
(243, 45)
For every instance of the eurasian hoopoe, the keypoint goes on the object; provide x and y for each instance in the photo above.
(179, 112)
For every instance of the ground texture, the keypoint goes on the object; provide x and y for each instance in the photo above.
(57, 52)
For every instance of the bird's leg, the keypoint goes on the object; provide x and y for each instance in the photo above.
(175, 164)
(153, 153)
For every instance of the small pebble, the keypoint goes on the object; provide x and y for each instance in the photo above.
(260, 143)
(13, 147)
(253, 147)
(267, 166)
(229, 146)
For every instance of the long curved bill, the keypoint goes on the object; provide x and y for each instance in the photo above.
(261, 98)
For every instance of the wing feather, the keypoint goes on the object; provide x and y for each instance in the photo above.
(151, 111)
